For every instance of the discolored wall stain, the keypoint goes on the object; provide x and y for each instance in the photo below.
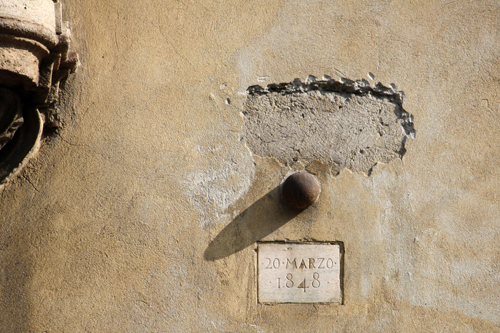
(347, 124)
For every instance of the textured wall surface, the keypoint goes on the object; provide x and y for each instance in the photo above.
(338, 124)
(142, 214)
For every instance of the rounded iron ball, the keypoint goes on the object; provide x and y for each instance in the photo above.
(300, 190)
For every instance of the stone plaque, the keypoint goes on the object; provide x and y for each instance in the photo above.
(299, 273)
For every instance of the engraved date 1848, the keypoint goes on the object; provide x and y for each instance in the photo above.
(315, 283)
(299, 273)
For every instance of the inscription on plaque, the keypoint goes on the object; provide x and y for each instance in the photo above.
(299, 273)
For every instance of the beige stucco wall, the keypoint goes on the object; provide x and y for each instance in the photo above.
(107, 230)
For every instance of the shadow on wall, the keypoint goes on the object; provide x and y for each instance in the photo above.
(263, 217)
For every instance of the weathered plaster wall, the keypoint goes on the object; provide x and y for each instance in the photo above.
(142, 214)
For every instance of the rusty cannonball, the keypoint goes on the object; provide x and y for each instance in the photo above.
(300, 190)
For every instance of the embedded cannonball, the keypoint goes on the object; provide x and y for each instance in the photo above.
(300, 190)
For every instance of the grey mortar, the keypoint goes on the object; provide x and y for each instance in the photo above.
(346, 124)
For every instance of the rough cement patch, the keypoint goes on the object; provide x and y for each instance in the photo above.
(347, 124)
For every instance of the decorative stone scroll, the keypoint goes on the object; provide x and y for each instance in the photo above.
(34, 57)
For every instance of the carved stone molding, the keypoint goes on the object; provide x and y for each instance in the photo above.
(34, 57)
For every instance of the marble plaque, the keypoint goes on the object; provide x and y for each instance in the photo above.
(298, 273)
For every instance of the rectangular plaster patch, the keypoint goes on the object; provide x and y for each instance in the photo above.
(299, 273)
